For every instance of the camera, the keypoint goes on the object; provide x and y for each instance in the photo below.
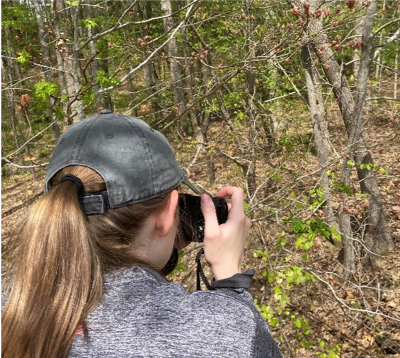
(192, 219)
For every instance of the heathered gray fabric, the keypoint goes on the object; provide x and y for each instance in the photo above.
(142, 315)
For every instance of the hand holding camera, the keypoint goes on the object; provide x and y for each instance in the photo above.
(223, 244)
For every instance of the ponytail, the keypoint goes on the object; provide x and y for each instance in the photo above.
(56, 276)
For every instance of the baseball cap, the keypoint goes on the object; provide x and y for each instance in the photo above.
(135, 161)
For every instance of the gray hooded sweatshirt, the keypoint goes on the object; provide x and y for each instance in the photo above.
(143, 315)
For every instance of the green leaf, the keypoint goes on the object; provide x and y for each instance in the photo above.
(274, 322)
(350, 163)
(271, 276)
(383, 170)
(64, 98)
(44, 90)
(240, 115)
(89, 23)
(367, 166)
(24, 57)
(344, 188)
(297, 323)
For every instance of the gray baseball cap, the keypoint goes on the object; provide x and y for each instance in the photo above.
(136, 162)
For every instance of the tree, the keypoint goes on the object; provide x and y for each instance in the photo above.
(319, 41)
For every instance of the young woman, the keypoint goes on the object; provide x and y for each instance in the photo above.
(87, 279)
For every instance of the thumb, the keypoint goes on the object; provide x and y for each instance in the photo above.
(210, 215)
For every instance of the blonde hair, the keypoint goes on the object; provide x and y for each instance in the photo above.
(55, 276)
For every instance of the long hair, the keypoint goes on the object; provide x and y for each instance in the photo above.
(55, 275)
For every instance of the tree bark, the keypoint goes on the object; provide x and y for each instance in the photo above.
(376, 215)
(149, 70)
(46, 66)
(175, 68)
(320, 129)
(94, 65)
(66, 53)
(378, 224)
(250, 107)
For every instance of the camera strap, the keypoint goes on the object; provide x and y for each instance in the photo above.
(238, 281)
(200, 273)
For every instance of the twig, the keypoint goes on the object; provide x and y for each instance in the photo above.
(29, 140)
(23, 166)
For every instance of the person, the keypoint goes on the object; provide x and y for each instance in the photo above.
(88, 278)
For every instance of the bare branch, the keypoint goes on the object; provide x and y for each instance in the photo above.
(343, 302)
(383, 26)
(24, 166)
(29, 140)
(129, 74)
(392, 38)
(119, 26)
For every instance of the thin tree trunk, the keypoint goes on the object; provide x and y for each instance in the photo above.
(93, 52)
(396, 67)
(46, 66)
(66, 62)
(320, 129)
(14, 75)
(149, 70)
(376, 215)
(204, 119)
(378, 224)
(175, 68)
(250, 108)
(76, 72)
(190, 83)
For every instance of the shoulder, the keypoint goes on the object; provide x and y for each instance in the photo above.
(222, 301)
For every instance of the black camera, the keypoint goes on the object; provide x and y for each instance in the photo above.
(192, 219)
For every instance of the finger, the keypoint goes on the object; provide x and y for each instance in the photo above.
(237, 199)
(210, 216)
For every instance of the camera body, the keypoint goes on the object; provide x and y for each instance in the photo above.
(191, 218)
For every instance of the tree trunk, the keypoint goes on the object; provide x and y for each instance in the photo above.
(320, 128)
(76, 69)
(46, 66)
(321, 46)
(195, 111)
(93, 53)
(175, 69)
(14, 76)
(250, 107)
(396, 71)
(66, 62)
(376, 215)
(149, 70)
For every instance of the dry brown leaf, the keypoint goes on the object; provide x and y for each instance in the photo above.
(25, 99)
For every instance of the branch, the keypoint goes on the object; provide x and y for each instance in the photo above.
(343, 302)
(293, 85)
(29, 140)
(383, 26)
(118, 26)
(392, 38)
(129, 74)
(382, 98)
(36, 64)
(23, 166)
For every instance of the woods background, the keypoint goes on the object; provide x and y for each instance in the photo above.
(297, 102)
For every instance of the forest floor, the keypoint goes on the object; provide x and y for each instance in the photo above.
(359, 319)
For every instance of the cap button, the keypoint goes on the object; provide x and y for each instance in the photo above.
(106, 111)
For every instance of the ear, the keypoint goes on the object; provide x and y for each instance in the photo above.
(166, 217)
